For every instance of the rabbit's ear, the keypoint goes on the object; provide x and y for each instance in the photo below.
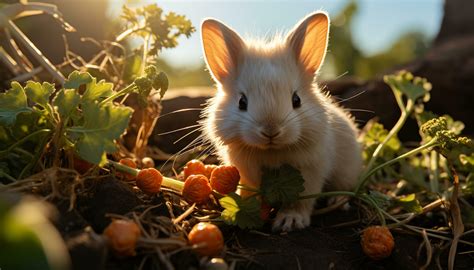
(309, 40)
(222, 48)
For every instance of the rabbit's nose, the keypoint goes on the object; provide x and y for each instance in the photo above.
(270, 135)
(269, 130)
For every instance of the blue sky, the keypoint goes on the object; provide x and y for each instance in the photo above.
(377, 25)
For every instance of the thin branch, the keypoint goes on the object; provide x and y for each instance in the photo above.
(35, 52)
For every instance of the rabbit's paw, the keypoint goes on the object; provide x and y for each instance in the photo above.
(291, 219)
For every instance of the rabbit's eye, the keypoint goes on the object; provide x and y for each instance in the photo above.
(296, 101)
(243, 103)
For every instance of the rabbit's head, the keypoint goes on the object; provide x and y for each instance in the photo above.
(266, 94)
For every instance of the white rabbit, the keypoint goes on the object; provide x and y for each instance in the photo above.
(268, 111)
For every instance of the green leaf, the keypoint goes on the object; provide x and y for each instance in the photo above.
(66, 101)
(76, 79)
(97, 91)
(412, 87)
(102, 126)
(409, 203)
(282, 186)
(12, 102)
(244, 213)
(39, 93)
(374, 134)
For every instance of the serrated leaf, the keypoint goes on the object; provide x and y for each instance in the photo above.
(66, 101)
(282, 186)
(102, 126)
(244, 213)
(412, 87)
(76, 79)
(39, 93)
(409, 203)
(12, 102)
(97, 91)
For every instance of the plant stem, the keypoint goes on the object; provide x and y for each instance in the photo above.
(167, 182)
(248, 188)
(35, 52)
(371, 201)
(365, 177)
(122, 92)
(434, 175)
(328, 194)
(24, 139)
(7, 176)
(35, 158)
(124, 168)
(364, 197)
(393, 132)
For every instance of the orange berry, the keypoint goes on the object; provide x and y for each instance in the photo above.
(196, 189)
(130, 163)
(377, 242)
(194, 167)
(224, 179)
(149, 180)
(148, 162)
(208, 169)
(122, 237)
(209, 238)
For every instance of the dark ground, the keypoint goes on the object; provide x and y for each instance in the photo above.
(324, 245)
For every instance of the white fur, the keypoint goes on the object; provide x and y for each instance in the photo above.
(319, 138)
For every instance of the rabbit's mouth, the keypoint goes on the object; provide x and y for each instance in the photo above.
(270, 145)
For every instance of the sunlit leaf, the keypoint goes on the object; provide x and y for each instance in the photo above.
(97, 91)
(39, 93)
(66, 101)
(102, 126)
(411, 86)
(76, 79)
(244, 213)
(409, 203)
